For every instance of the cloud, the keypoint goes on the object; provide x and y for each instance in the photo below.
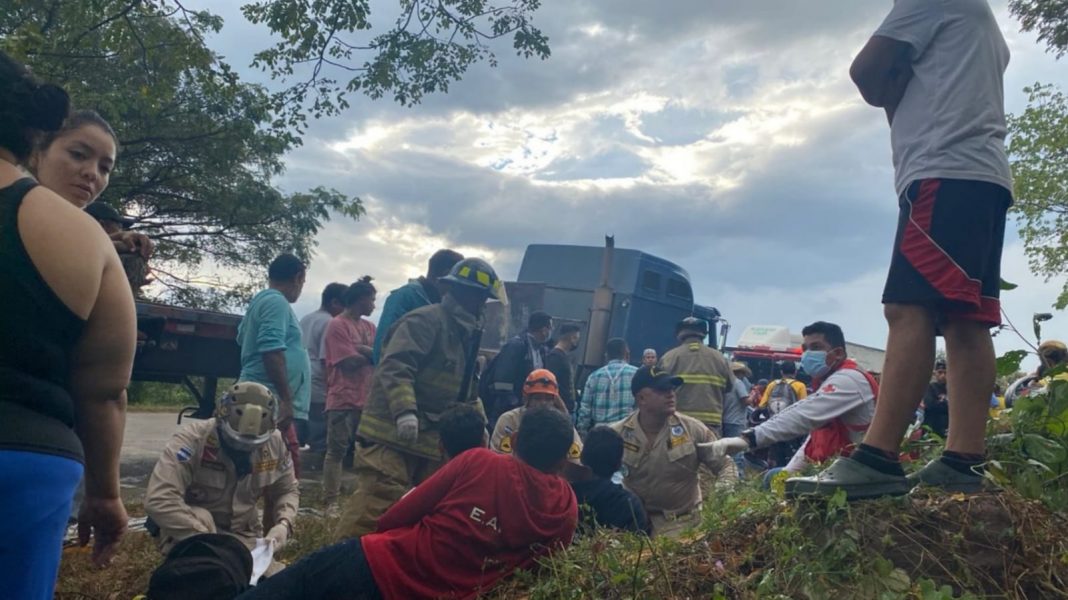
(723, 136)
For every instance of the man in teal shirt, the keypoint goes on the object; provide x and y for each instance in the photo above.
(414, 294)
(271, 349)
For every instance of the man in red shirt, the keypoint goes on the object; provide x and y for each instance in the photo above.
(476, 520)
(347, 349)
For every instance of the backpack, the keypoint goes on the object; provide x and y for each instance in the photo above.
(208, 566)
(782, 396)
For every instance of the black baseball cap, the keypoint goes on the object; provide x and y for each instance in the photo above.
(653, 377)
(940, 365)
(104, 212)
(692, 324)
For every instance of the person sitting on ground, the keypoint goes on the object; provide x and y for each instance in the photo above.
(834, 417)
(607, 397)
(463, 428)
(473, 522)
(602, 502)
(212, 474)
(539, 390)
(663, 449)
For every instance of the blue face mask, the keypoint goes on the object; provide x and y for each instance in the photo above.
(814, 362)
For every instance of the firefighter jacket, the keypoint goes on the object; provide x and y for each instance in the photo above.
(422, 370)
(195, 489)
(663, 471)
(706, 378)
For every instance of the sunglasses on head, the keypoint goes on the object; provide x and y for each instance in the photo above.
(539, 381)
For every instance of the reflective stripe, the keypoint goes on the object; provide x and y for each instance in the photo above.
(702, 378)
(376, 429)
(715, 418)
(503, 386)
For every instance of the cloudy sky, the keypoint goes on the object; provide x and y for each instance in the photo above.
(723, 136)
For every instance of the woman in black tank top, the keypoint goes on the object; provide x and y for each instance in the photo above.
(41, 456)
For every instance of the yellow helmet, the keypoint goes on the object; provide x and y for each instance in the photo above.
(246, 414)
(1052, 352)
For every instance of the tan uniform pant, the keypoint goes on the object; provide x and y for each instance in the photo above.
(383, 476)
(341, 428)
(673, 526)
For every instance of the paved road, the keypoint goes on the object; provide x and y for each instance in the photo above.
(146, 434)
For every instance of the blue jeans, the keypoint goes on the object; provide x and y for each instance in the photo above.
(35, 496)
(333, 573)
(735, 430)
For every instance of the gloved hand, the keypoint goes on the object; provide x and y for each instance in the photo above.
(720, 448)
(278, 535)
(408, 428)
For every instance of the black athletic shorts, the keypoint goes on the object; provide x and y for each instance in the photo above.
(947, 254)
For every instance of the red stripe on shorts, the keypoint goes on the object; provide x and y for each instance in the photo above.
(928, 258)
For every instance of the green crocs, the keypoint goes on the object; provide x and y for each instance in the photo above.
(857, 479)
(938, 474)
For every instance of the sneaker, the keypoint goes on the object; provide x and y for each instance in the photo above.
(857, 479)
(938, 474)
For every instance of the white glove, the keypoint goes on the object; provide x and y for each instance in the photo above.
(278, 535)
(408, 428)
(709, 451)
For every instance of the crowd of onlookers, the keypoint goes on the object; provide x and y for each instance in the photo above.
(435, 512)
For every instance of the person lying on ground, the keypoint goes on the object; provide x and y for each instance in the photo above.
(602, 502)
(212, 474)
(473, 522)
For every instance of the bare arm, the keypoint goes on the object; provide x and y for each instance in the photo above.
(353, 363)
(100, 373)
(882, 72)
(274, 362)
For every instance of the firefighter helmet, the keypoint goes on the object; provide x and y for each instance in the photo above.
(476, 273)
(246, 414)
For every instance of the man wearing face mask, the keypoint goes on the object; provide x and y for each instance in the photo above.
(834, 417)
(212, 474)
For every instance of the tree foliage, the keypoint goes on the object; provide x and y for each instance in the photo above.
(1038, 147)
(1049, 18)
(199, 148)
(431, 45)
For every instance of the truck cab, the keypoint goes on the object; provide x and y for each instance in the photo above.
(648, 296)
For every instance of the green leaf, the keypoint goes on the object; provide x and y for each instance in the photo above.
(1009, 363)
(1006, 286)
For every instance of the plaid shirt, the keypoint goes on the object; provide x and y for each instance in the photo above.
(607, 397)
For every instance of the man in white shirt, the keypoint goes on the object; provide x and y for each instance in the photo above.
(833, 418)
(936, 67)
(312, 328)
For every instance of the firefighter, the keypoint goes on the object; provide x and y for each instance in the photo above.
(213, 472)
(705, 374)
(424, 371)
